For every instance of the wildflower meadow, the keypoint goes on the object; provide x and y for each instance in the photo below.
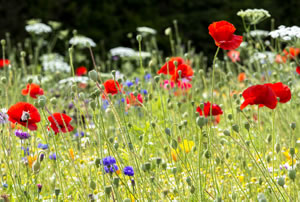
(138, 125)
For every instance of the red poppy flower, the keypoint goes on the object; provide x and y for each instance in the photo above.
(222, 33)
(234, 55)
(81, 71)
(61, 123)
(242, 76)
(280, 59)
(281, 91)
(184, 85)
(135, 101)
(33, 90)
(216, 110)
(25, 114)
(262, 95)
(298, 69)
(186, 72)
(292, 52)
(112, 87)
(4, 62)
(169, 67)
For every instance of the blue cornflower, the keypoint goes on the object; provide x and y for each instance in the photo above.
(52, 156)
(137, 80)
(109, 160)
(26, 151)
(5, 185)
(147, 77)
(128, 170)
(81, 134)
(22, 135)
(123, 100)
(42, 146)
(145, 92)
(129, 83)
(105, 104)
(111, 169)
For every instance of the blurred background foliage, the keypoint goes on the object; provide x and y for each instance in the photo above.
(109, 22)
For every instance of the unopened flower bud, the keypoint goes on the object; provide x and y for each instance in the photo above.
(280, 181)
(139, 38)
(226, 132)
(107, 190)
(293, 126)
(292, 174)
(93, 185)
(235, 128)
(93, 75)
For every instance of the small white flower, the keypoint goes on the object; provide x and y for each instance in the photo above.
(146, 30)
(77, 79)
(38, 28)
(259, 33)
(286, 33)
(3, 116)
(122, 52)
(82, 41)
(54, 62)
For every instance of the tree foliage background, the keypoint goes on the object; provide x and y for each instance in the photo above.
(110, 21)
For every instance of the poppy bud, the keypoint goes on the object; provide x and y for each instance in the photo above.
(92, 185)
(277, 147)
(174, 144)
(147, 166)
(179, 104)
(168, 131)
(3, 80)
(293, 126)
(229, 116)
(130, 145)
(165, 192)
(247, 125)
(56, 191)
(219, 199)
(193, 189)
(3, 42)
(235, 128)
(156, 79)
(30, 80)
(139, 38)
(81, 96)
(53, 101)
(193, 102)
(23, 54)
(36, 166)
(280, 181)
(107, 190)
(201, 121)
(227, 155)
(153, 124)
(292, 174)
(164, 166)
(93, 104)
(116, 181)
(168, 31)
(158, 161)
(93, 75)
(268, 158)
(207, 154)
(292, 151)
(226, 132)
(269, 138)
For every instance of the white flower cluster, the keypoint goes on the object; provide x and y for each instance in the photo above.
(286, 33)
(82, 41)
(54, 62)
(146, 30)
(254, 16)
(71, 80)
(128, 52)
(38, 28)
(263, 57)
(3, 116)
(259, 33)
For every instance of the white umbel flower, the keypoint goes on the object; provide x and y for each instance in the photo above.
(38, 28)
(259, 33)
(77, 79)
(122, 52)
(82, 41)
(54, 62)
(146, 30)
(254, 16)
(286, 33)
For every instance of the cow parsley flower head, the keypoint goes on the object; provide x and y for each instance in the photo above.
(286, 33)
(254, 16)
(122, 52)
(259, 33)
(54, 62)
(82, 41)
(263, 57)
(3, 116)
(146, 30)
(38, 28)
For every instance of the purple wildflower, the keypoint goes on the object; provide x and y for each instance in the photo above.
(22, 135)
(52, 156)
(128, 170)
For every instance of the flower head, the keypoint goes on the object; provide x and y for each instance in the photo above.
(60, 123)
(82, 41)
(22, 135)
(25, 114)
(169, 67)
(111, 169)
(112, 87)
(38, 28)
(108, 161)
(33, 90)
(3, 116)
(183, 71)
(222, 33)
(234, 55)
(216, 110)
(81, 71)
(4, 62)
(43, 146)
(134, 100)
(52, 156)
(128, 170)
